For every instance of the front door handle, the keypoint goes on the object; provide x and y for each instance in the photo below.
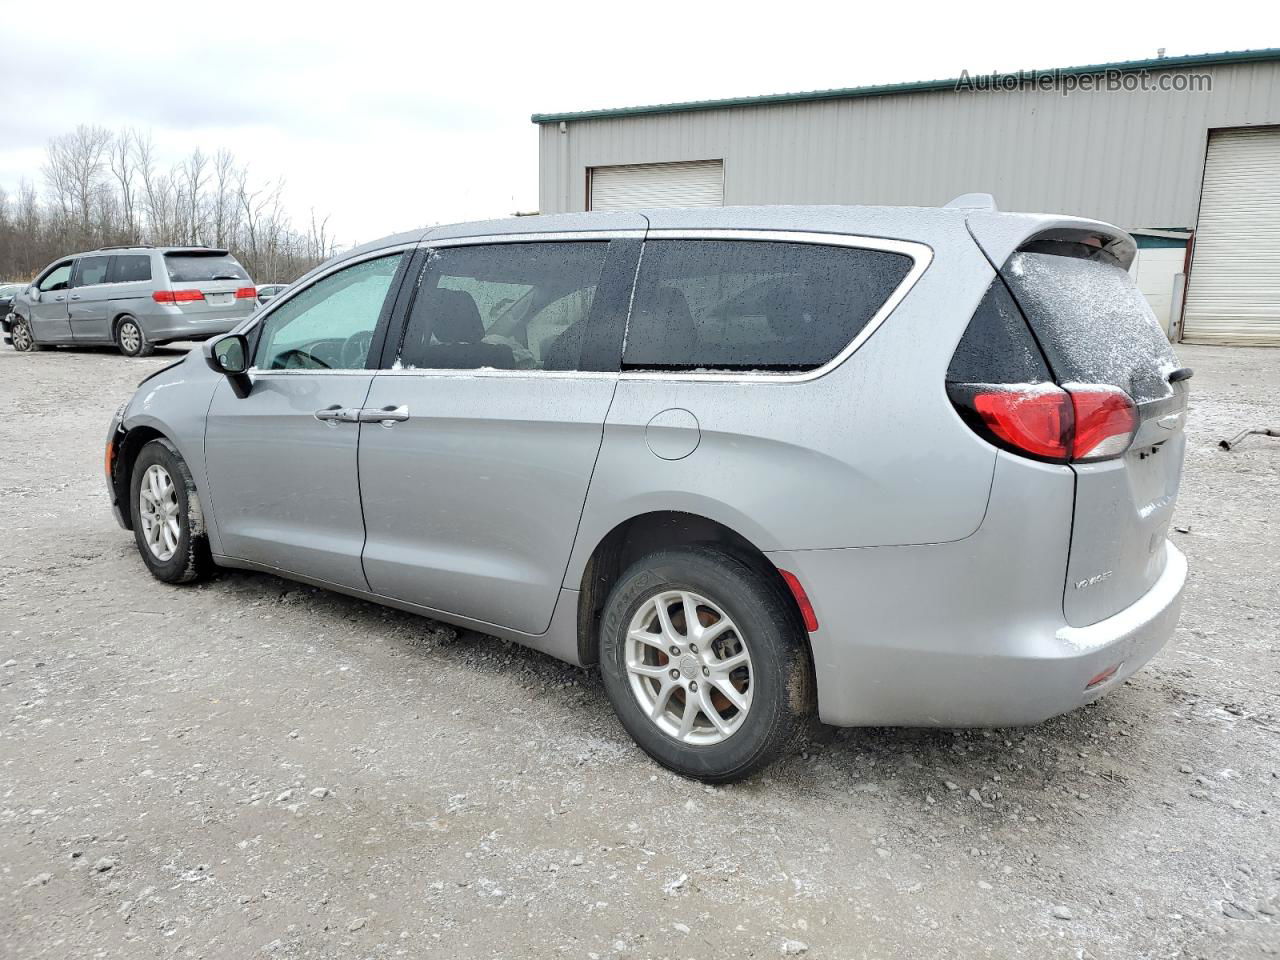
(337, 414)
(385, 416)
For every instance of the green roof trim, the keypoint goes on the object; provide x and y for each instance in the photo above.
(916, 86)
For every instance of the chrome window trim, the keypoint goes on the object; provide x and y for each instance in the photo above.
(562, 235)
(281, 299)
(921, 255)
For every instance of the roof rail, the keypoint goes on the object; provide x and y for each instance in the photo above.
(974, 201)
(127, 246)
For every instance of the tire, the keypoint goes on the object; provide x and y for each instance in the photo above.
(776, 687)
(130, 339)
(23, 340)
(161, 471)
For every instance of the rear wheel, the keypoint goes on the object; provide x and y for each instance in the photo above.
(705, 662)
(21, 336)
(131, 340)
(168, 521)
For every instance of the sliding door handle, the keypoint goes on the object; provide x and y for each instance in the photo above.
(337, 414)
(385, 416)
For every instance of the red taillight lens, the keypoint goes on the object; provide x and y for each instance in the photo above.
(177, 296)
(1080, 422)
(1106, 421)
(247, 293)
(1031, 418)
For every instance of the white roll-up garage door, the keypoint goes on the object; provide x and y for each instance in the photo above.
(695, 184)
(1233, 293)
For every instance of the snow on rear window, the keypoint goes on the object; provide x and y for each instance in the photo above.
(1094, 324)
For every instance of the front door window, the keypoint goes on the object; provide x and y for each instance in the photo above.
(329, 325)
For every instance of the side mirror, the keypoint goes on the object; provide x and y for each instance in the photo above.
(229, 356)
(34, 293)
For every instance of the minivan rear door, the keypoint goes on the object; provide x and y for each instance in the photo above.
(1096, 328)
(479, 443)
(89, 299)
(218, 277)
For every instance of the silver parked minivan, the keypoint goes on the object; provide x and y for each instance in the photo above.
(134, 297)
(899, 465)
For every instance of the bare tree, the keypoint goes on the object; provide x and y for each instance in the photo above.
(123, 168)
(192, 175)
(102, 187)
(74, 169)
(225, 208)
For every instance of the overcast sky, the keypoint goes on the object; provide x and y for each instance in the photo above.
(389, 116)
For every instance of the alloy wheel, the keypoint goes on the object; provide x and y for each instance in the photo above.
(159, 512)
(689, 667)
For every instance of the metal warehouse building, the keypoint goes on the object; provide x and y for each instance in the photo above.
(1184, 152)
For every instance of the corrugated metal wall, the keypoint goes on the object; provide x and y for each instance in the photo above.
(1130, 158)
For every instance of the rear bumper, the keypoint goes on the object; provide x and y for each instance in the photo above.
(161, 329)
(1006, 665)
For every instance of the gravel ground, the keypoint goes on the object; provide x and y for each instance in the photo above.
(250, 767)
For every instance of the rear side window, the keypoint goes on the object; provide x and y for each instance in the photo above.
(90, 270)
(203, 267)
(510, 306)
(997, 346)
(1092, 321)
(753, 305)
(129, 268)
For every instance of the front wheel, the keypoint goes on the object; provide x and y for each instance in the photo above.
(21, 336)
(705, 662)
(168, 522)
(130, 339)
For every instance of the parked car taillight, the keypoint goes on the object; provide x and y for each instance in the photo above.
(177, 296)
(1078, 423)
(247, 293)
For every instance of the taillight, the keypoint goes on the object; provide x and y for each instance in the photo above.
(1106, 421)
(1082, 422)
(177, 296)
(1030, 418)
(247, 293)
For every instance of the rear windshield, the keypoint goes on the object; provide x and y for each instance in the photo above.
(753, 305)
(1092, 322)
(199, 267)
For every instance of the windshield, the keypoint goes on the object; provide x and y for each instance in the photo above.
(199, 267)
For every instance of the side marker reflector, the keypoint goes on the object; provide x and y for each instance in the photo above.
(802, 601)
(1104, 676)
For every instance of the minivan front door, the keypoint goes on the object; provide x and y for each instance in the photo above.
(474, 484)
(49, 313)
(281, 461)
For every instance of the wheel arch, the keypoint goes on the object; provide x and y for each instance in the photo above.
(126, 455)
(646, 533)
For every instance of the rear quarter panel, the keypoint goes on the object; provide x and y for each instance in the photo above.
(869, 454)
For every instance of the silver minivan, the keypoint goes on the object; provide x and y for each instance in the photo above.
(134, 297)
(895, 466)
